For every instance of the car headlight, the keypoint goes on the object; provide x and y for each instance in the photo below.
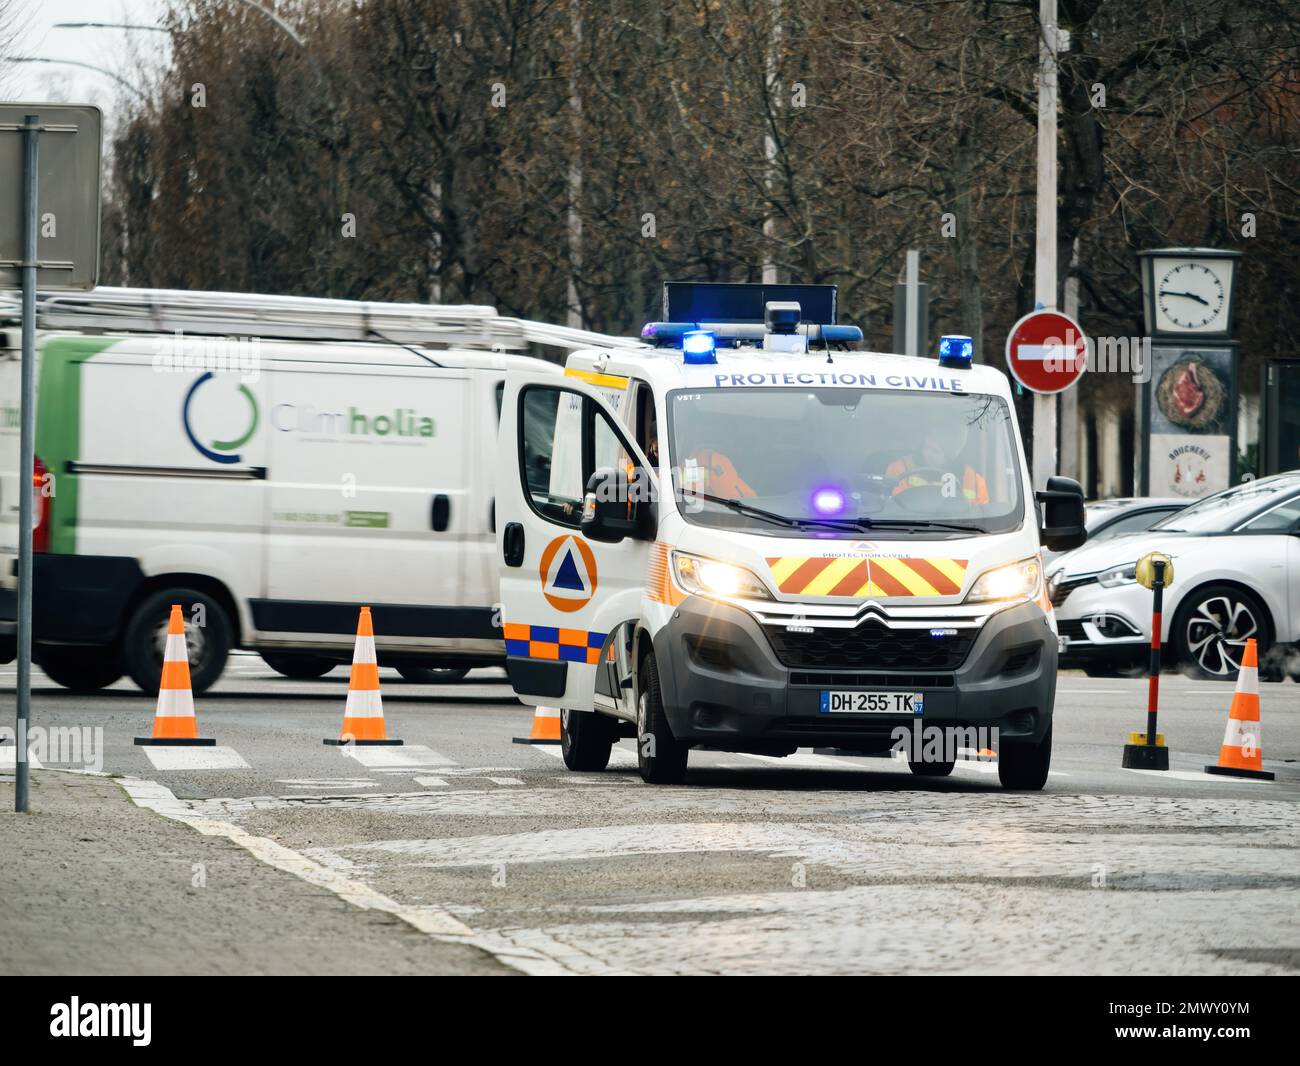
(1118, 575)
(712, 577)
(1016, 581)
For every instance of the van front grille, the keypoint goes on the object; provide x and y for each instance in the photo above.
(872, 646)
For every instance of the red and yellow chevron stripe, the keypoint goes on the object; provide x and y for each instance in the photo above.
(837, 576)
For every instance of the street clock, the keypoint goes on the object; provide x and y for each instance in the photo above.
(1188, 292)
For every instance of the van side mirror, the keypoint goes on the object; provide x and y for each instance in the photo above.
(1062, 514)
(614, 507)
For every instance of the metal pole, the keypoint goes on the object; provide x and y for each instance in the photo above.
(911, 343)
(1045, 230)
(1153, 686)
(26, 461)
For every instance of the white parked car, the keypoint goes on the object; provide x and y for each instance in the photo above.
(1122, 514)
(1236, 559)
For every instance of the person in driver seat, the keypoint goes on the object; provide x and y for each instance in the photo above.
(931, 466)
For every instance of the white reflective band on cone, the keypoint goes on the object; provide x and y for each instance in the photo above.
(1241, 734)
(175, 703)
(1248, 680)
(175, 651)
(364, 703)
(364, 652)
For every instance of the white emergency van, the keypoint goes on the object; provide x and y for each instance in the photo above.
(271, 463)
(747, 537)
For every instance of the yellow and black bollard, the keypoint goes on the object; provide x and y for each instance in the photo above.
(1147, 751)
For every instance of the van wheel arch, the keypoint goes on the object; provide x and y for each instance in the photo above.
(200, 583)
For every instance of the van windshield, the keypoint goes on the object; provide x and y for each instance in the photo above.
(844, 460)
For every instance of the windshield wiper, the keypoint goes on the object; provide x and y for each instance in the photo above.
(921, 523)
(747, 509)
(769, 516)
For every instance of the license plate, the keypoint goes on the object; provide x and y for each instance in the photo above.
(850, 702)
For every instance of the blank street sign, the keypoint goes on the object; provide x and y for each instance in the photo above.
(67, 246)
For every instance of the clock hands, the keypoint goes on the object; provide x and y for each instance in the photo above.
(1188, 295)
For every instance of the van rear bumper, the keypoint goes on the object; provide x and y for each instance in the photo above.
(76, 599)
(723, 685)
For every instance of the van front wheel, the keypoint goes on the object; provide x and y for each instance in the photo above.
(660, 756)
(1025, 766)
(208, 637)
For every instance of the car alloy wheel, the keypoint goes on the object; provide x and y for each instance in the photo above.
(1216, 632)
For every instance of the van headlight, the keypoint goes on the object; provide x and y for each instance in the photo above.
(1118, 575)
(712, 577)
(1007, 584)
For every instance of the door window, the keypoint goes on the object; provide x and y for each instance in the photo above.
(564, 438)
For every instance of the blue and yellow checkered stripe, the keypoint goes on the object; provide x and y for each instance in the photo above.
(550, 642)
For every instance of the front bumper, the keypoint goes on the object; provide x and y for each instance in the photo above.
(1105, 626)
(724, 686)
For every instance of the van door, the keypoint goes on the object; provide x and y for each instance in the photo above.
(369, 497)
(562, 594)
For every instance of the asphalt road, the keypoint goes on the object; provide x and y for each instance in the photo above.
(816, 863)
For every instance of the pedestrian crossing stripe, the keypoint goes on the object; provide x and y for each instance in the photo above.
(883, 577)
(526, 641)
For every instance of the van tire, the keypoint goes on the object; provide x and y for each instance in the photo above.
(145, 636)
(432, 675)
(932, 769)
(1024, 766)
(586, 739)
(298, 667)
(79, 669)
(660, 757)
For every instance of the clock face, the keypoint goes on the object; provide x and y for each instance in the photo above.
(1191, 296)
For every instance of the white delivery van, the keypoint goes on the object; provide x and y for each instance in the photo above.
(746, 537)
(270, 463)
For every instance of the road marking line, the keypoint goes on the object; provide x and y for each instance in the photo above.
(185, 758)
(506, 780)
(545, 958)
(384, 757)
(617, 756)
(324, 782)
(431, 782)
(1192, 775)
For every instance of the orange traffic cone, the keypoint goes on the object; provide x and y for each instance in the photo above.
(363, 717)
(1242, 752)
(546, 727)
(174, 721)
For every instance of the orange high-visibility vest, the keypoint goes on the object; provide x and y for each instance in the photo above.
(973, 486)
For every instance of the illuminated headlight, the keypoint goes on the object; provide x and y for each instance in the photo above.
(711, 577)
(1118, 575)
(1016, 581)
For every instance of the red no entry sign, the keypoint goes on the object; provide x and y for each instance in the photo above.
(1046, 351)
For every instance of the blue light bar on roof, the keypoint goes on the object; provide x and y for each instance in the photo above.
(956, 352)
(697, 347)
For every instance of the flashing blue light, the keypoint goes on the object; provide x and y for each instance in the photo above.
(697, 347)
(828, 501)
(841, 334)
(956, 352)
